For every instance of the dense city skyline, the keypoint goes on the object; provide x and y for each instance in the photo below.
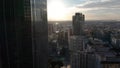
(60, 10)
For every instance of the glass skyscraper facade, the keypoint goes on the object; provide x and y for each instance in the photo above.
(78, 22)
(23, 34)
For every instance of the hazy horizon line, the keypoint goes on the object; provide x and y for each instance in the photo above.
(85, 20)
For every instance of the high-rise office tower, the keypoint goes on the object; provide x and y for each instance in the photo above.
(23, 34)
(78, 21)
(76, 47)
(77, 41)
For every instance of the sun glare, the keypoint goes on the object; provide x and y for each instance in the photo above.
(56, 10)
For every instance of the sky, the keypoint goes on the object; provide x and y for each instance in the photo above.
(60, 10)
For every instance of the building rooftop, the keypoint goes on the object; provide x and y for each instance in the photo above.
(104, 52)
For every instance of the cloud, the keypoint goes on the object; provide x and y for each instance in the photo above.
(102, 5)
(100, 9)
(111, 4)
(94, 9)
